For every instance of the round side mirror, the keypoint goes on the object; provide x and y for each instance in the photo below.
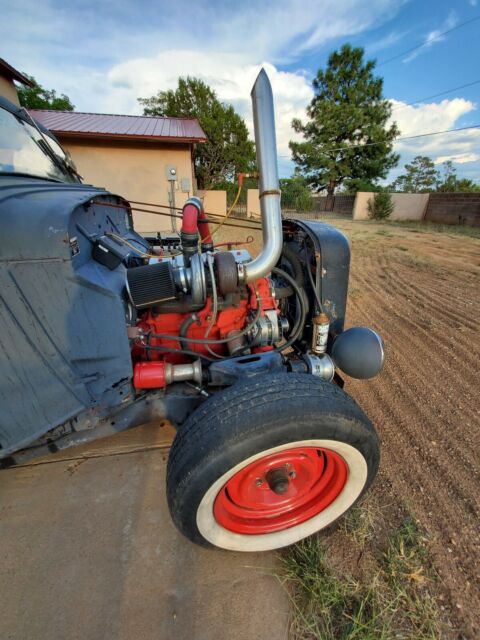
(359, 352)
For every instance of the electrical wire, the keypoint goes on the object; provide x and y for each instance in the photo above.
(435, 95)
(418, 135)
(143, 254)
(219, 226)
(213, 319)
(300, 321)
(168, 215)
(313, 284)
(424, 44)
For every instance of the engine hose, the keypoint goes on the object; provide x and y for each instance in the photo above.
(249, 327)
(184, 327)
(301, 317)
(293, 259)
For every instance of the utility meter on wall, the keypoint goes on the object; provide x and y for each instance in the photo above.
(171, 172)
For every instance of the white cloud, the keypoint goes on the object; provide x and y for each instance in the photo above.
(434, 37)
(231, 79)
(104, 59)
(459, 158)
(459, 146)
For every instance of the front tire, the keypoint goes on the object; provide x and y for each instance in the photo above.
(269, 461)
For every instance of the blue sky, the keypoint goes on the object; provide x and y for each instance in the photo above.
(106, 54)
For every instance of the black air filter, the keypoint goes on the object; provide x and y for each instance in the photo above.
(151, 284)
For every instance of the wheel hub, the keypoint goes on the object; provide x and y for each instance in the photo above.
(277, 480)
(280, 490)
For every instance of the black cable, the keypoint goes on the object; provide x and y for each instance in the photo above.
(300, 322)
(424, 43)
(292, 258)
(435, 95)
(313, 284)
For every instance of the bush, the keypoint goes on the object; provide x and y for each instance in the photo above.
(380, 206)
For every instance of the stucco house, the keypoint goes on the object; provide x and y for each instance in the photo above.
(143, 158)
(8, 77)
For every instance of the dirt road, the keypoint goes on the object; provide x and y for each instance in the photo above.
(421, 291)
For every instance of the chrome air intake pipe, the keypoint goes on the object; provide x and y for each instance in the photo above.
(266, 145)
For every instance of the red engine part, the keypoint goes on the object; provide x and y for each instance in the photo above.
(150, 375)
(228, 320)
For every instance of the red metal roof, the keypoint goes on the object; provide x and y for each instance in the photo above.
(102, 125)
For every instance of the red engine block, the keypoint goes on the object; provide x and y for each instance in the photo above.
(231, 319)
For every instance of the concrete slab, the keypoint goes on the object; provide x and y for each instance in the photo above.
(88, 552)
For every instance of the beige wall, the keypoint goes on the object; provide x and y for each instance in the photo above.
(407, 206)
(253, 203)
(214, 201)
(134, 172)
(8, 90)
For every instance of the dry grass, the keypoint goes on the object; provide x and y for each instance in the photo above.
(390, 597)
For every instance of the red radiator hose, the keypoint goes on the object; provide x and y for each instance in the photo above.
(189, 218)
(204, 229)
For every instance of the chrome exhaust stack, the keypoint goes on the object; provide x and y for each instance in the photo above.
(266, 145)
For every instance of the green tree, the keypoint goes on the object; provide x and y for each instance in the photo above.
(420, 176)
(380, 206)
(450, 183)
(296, 193)
(37, 97)
(352, 185)
(228, 149)
(347, 135)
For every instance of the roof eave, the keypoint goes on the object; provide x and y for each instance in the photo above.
(90, 135)
(7, 71)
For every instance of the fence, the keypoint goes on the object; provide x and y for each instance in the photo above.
(444, 208)
(454, 208)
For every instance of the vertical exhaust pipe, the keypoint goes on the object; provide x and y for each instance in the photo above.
(266, 145)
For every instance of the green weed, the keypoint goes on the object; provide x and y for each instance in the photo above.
(391, 600)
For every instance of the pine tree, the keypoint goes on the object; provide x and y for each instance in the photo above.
(420, 176)
(347, 135)
(228, 149)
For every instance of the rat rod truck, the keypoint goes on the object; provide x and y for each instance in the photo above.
(102, 329)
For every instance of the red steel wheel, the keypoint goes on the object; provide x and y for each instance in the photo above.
(269, 461)
(280, 490)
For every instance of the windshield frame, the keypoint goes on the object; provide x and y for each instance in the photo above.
(37, 137)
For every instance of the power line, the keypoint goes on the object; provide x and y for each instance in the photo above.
(435, 95)
(417, 135)
(425, 43)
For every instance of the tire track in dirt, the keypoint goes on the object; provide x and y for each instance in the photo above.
(438, 300)
(399, 370)
(400, 308)
(421, 404)
(427, 344)
(422, 370)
